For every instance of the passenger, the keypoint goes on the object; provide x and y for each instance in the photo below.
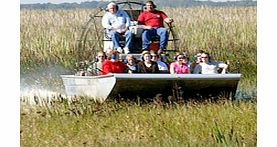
(209, 67)
(131, 63)
(180, 65)
(196, 60)
(152, 22)
(117, 23)
(163, 67)
(146, 65)
(96, 67)
(113, 65)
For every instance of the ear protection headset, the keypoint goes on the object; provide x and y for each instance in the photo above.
(143, 53)
(178, 54)
(113, 56)
(142, 58)
(110, 4)
(175, 57)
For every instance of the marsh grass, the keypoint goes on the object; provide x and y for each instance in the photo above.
(48, 49)
(83, 122)
(49, 37)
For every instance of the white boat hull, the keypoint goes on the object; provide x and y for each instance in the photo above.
(147, 85)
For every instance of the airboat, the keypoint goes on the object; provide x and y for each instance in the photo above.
(102, 87)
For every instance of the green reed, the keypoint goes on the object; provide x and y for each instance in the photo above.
(49, 37)
(81, 122)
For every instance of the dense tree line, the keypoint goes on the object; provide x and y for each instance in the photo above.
(160, 3)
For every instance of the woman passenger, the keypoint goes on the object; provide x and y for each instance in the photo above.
(146, 65)
(163, 67)
(180, 65)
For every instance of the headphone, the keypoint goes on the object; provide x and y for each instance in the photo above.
(152, 3)
(110, 4)
(178, 54)
(113, 56)
(143, 53)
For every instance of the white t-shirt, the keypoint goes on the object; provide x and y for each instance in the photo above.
(206, 68)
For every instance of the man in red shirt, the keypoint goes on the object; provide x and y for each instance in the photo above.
(152, 21)
(113, 65)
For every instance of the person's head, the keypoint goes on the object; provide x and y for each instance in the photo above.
(101, 56)
(197, 58)
(114, 55)
(205, 57)
(154, 56)
(112, 7)
(180, 57)
(130, 59)
(146, 56)
(150, 6)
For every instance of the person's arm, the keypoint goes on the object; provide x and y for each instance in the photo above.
(156, 67)
(188, 69)
(223, 66)
(172, 68)
(197, 69)
(106, 68)
(128, 20)
(140, 19)
(105, 22)
(140, 67)
(124, 67)
(166, 18)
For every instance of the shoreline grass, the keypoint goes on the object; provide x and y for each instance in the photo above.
(224, 123)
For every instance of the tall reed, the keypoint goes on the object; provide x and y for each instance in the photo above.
(228, 33)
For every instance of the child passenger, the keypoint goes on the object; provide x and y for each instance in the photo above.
(131, 63)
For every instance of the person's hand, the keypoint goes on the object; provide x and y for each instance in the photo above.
(168, 20)
(121, 30)
(147, 27)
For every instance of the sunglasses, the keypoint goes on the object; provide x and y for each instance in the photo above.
(204, 57)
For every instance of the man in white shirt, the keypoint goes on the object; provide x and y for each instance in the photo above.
(117, 23)
(209, 67)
